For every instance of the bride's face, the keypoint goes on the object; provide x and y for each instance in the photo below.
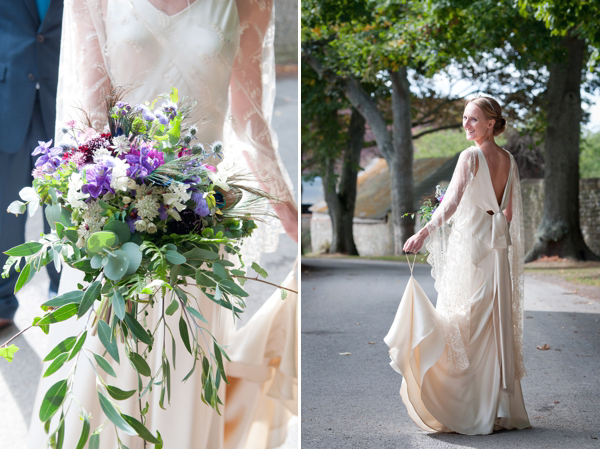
(476, 125)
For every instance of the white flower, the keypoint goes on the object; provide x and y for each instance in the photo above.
(74, 196)
(119, 180)
(127, 200)
(147, 207)
(177, 197)
(151, 228)
(101, 153)
(219, 179)
(121, 145)
(140, 225)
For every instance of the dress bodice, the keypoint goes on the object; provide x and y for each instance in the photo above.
(192, 50)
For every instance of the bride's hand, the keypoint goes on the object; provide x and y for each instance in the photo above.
(415, 243)
(288, 214)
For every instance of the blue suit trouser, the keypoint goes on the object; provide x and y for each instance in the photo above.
(15, 173)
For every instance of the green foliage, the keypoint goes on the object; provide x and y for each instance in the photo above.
(589, 158)
(8, 352)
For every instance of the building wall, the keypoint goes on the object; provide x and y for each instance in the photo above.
(374, 237)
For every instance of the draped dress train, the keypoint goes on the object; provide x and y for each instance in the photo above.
(203, 51)
(485, 395)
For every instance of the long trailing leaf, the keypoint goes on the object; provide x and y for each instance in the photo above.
(53, 399)
(141, 430)
(185, 337)
(56, 364)
(114, 416)
(137, 329)
(78, 345)
(105, 335)
(118, 394)
(61, 314)
(91, 294)
(25, 249)
(140, 365)
(63, 346)
(23, 277)
(103, 363)
(85, 432)
(67, 298)
(119, 304)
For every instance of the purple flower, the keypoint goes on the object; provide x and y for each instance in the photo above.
(201, 206)
(162, 118)
(146, 114)
(50, 158)
(131, 223)
(143, 160)
(97, 180)
(170, 109)
(162, 212)
(440, 198)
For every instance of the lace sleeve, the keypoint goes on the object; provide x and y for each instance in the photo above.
(252, 97)
(83, 78)
(463, 173)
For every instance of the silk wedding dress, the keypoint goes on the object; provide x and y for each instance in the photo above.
(220, 54)
(462, 361)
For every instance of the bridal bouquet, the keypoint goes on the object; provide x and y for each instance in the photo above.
(430, 204)
(138, 209)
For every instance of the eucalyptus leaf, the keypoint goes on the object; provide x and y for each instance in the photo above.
(25, 249)
(118, 303)
(172, 307)
(61, 314)
(219, 270)
(141, 430)
(56, 364)
(120, 228)
(256, 267)
(52, 214)
(137, 329)
(196, 313)
(100, 240)
(66, 298)
(140, 365)
(117, 266)
(23, 277)
(105, 335)
(16, 208)
(185, 337)
(78, 345)
(85, 432)
(134, 255)
(94, 441)
(118, 394)
(201, 254)
(63, 346)
(91, 294)
(53, 399)
(175, 258)
(115, 417)
(96, 261)
(103, 363)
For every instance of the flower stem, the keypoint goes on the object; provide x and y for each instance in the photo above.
(265, 282)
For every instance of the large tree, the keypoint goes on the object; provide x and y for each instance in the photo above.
(553, 40)
(331, 144)
(350, 42)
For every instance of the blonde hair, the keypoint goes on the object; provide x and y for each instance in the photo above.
(492, 111)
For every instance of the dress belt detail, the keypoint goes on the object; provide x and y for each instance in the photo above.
(500, 234)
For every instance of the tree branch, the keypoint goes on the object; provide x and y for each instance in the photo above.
(265, 282)
(439, 128)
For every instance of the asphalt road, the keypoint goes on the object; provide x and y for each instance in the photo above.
(353, 401)
(18, 381)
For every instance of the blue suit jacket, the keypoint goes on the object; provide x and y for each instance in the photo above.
(28, 55)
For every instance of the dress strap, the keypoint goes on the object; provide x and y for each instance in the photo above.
(413, 263)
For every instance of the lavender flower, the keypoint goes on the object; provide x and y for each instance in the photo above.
(162, 212)
(162, 118)
(98, 178)
(146, 114)
(50, 158)
(201, 205)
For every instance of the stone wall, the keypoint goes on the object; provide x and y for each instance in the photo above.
(589, 210)
(286, 32)
(374, 237)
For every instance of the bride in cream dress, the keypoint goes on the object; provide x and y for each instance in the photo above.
(462, 361)
(218, 53)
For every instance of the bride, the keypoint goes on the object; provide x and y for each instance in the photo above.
(218, 53)
(462, 361)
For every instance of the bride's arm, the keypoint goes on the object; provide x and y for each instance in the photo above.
(83, 76)
(463, 173)
(251, 123)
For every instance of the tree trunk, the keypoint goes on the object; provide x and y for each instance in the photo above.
(401, 162)
(341, 203)
(560, 232)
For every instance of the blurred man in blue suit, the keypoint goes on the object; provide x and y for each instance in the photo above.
(29, 47)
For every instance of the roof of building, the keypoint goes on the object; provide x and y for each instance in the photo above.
(373, 197)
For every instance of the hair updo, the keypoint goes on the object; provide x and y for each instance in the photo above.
(492, 111)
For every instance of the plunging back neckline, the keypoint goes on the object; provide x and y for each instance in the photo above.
(506, 185)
